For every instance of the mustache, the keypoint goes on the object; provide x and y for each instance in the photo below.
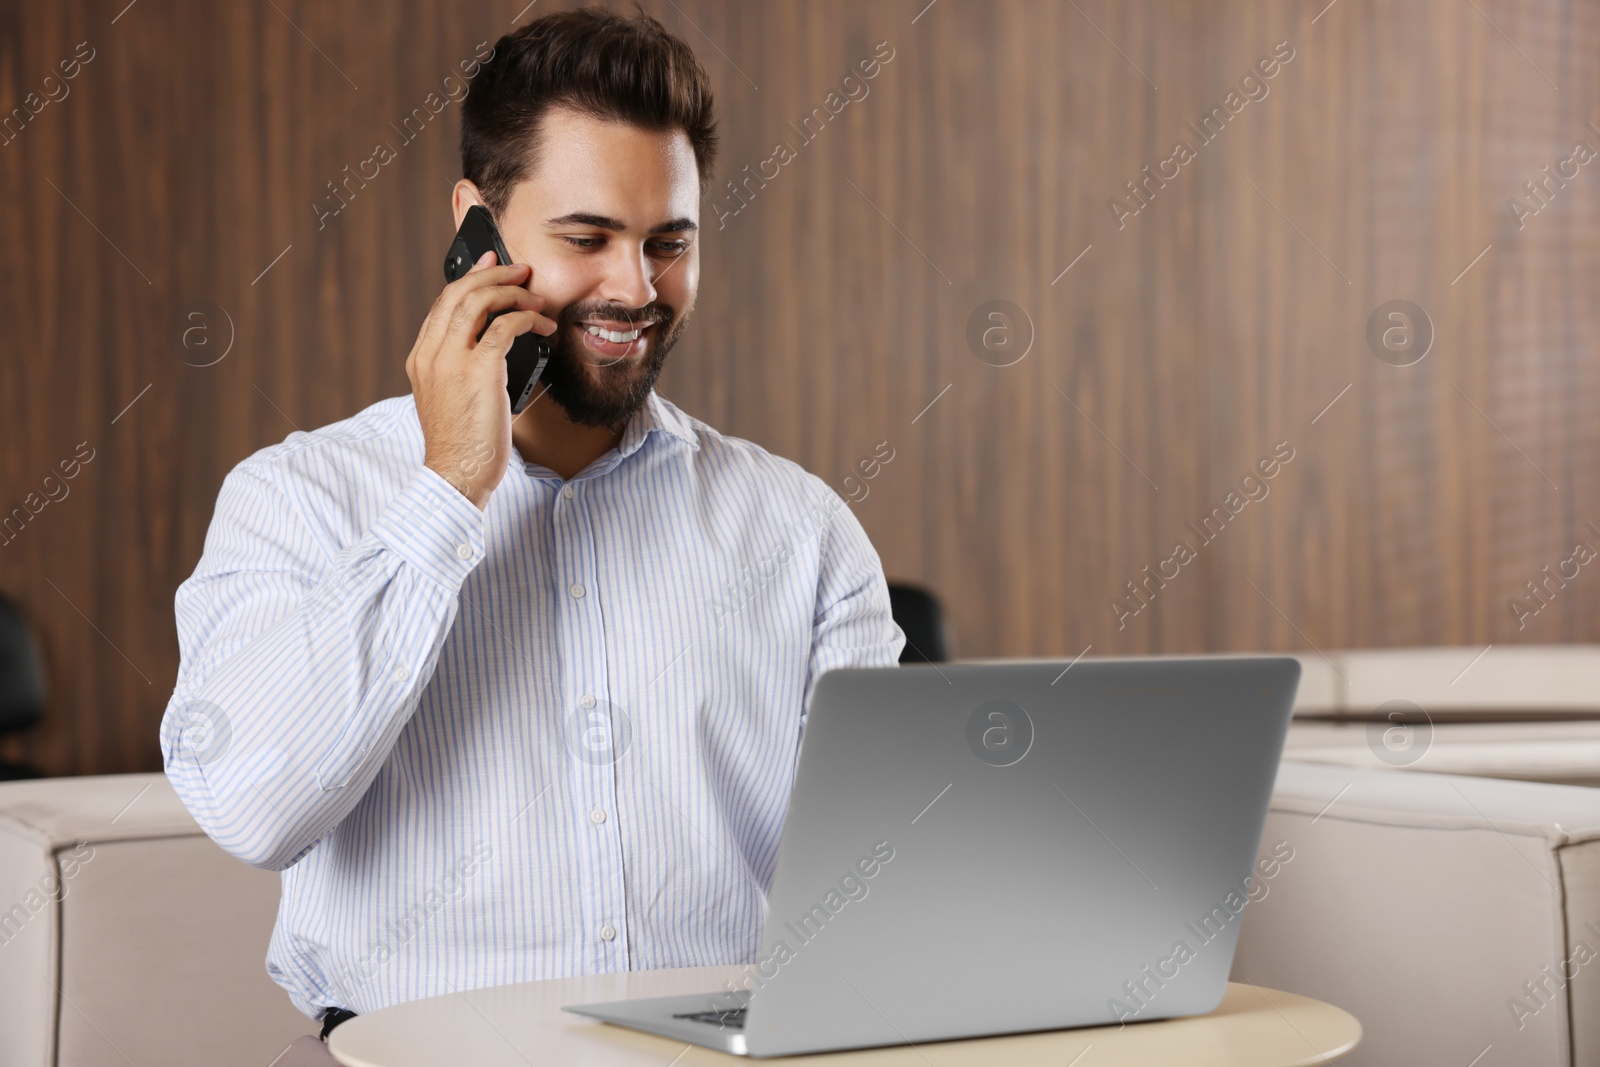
(652, 313)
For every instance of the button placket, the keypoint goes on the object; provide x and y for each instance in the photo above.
(594, 780)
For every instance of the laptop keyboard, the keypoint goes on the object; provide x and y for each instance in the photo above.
(732, 1019)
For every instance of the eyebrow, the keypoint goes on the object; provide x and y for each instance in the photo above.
(604, 222)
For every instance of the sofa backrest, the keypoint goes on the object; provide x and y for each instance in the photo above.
(1466, 683)
(1500, 682)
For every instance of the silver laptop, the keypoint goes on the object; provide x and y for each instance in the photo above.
(995, 847)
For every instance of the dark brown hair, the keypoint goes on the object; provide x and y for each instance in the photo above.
(608, 66)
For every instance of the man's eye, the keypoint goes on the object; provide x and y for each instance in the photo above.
(666, 248)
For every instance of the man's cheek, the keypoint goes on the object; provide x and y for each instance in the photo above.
(678, 285)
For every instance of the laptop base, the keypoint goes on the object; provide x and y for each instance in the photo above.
(662, 1016)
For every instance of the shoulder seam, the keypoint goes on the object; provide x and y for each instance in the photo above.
(384, 423)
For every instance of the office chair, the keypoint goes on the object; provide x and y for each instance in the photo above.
(916, 611)
(22, 690)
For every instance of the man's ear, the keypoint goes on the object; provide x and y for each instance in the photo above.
(463, 196)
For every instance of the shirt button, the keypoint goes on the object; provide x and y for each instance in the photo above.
(597, 816)
(568, 492)
(401, 674)
(586, 700)
(577, 590)
(608, 932)
(463, 552)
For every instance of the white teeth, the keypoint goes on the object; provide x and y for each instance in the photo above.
(614, 338)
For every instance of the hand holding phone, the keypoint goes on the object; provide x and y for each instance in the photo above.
(529, 352)
(458, 372)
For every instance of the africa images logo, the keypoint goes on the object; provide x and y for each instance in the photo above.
(1000, 732)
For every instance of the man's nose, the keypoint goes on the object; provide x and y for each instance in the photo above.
(630, 281)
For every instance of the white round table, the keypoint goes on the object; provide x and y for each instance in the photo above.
(522, 1025)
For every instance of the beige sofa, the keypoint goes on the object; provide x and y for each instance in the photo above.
(1427, 900)
(1420, 902)
(128, 936)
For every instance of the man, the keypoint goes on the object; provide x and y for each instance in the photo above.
(519, 698)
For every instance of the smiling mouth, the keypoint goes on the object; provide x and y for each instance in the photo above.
(616, 337)
(614, 346)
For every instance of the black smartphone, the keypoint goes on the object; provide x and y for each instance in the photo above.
(530, 351)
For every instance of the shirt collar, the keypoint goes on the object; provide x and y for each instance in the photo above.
(656, 416)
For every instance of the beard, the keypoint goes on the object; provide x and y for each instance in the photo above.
(607, 394)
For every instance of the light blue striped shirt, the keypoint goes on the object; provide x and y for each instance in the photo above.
(549, 739)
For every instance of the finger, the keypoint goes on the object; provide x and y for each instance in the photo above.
(505, 329)
(441, 316)
(474, 308)
(513, 276)
(482, 275)
(485, 272)
(479, 304)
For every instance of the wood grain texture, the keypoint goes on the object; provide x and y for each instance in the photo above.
(179, 175)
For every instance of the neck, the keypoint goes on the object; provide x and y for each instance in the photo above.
(544, 435)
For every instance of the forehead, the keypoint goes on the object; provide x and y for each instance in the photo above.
(610, 168)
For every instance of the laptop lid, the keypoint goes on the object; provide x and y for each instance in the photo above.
(979, 848)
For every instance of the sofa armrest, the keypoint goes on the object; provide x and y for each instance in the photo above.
(1447, 913)
(127, 935)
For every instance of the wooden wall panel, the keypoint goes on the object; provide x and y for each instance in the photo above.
(179, 175)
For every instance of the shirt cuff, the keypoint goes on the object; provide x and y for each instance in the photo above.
(433, 527)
